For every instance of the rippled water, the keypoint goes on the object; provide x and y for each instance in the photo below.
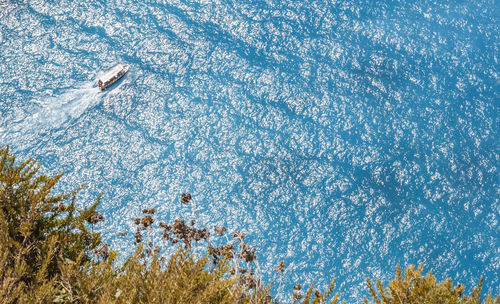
(345, 137)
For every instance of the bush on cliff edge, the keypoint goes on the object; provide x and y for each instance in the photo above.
(49, 253)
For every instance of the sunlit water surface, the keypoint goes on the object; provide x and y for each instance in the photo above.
(345, 137)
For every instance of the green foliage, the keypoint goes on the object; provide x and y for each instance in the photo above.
(183, 279)
(38, 232)
(314, 295)
(48, 254)
(414, 288)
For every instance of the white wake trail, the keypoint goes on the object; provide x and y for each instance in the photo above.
(52, 113)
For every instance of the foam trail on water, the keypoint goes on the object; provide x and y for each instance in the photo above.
(53, 112)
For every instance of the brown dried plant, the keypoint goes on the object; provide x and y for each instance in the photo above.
(49, 254)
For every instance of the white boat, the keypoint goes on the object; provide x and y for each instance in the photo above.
(112, 76)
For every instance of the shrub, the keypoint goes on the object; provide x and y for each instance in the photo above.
(48, 254)
(414, 288)
(38, 232)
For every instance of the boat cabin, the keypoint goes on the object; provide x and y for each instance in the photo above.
(112, 76)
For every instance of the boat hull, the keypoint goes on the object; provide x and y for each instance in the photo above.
(112, 76)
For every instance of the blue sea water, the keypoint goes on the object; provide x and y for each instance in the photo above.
(345, 137)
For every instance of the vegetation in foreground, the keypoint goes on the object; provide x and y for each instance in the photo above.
(49, 253)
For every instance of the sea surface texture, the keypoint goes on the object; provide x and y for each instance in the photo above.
(344, 137)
